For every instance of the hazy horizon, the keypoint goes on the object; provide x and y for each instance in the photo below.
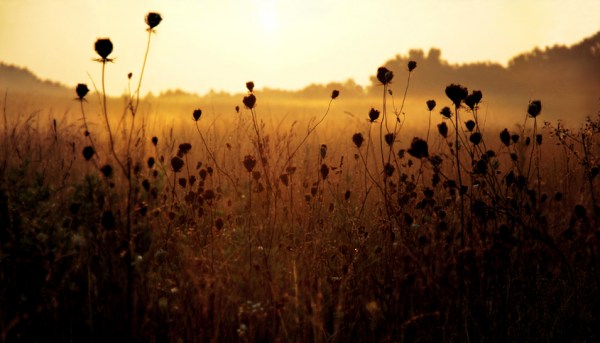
(280, 45)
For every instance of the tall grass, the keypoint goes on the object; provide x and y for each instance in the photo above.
(247, 230)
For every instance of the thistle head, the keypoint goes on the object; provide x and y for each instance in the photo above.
(446, 112)
(373, 115)
(81, 90)
(197, 113)
(103, 47)
(411, 65)
(456, 93)
(430, 104)
(384, 75)
(534, 108)
(358, 139)
(249, 101)
(153, 19)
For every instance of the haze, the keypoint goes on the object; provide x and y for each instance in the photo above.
(204, 45)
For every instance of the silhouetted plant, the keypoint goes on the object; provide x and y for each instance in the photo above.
(358, 139)
(384, 75)
(153, 19)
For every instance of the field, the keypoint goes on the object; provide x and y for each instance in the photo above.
(297, 221)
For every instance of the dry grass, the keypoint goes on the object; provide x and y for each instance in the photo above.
(184, 238)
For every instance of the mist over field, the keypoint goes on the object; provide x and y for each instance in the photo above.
(441, 202)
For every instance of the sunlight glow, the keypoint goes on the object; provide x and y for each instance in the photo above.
(285, 44)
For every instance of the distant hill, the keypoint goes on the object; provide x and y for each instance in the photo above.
(18, 79)
(565, 78)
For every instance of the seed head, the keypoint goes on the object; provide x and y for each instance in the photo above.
(475, 138)
(373, 114)
(505, 137)
(197, 113)
(473, 99)
(81, 90)
(184, 148)
(154, 140)
(153, 19)
(324, 171)
(390, 138)
(534, 109)
(412, 65)
(456, 93)
(249, 162)
(388, 169)
(470, 125)
(249, 101)
(430, 105)
(358, 139)
(443, 129)
(323, 151)
(250, 86)
(384, 75)
(335, 94)
(88, 152)
(176, 163)
(446, 112)
(418, 148)
(103, 47)
(106, 170)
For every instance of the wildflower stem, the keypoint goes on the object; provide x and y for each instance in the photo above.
(212, 156)
(308, 133)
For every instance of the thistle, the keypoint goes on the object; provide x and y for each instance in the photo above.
(153, 19)
(103, 47)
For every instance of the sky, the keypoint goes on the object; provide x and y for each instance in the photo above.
(204, 45)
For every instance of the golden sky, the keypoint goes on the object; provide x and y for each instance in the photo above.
(221, 44)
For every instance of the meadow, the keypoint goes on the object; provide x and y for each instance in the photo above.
(259, 221)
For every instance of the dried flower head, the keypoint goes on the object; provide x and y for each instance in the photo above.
(103, 47)
(324, 171)
(384, 75)
(335, 94)
(505, 137)
(373, 115)
(418, 148)
(470, 124)
(430, 104)
(197, 113)
(106, 170)
(88, 153)
(176, 163)
(390, 138)
(81, 90)
(154, 140)
(534, 108)
(249, 162)
(388, 169)
(184, 148)
(475, 138)
(358, 139)
(443, 129)
(473, 99)
(249, 101)
(323, 151)
(412, 65)
(446, 112)
(456, 93)
(153, 19)
(250, 86)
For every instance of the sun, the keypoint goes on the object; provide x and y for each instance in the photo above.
(267, 16)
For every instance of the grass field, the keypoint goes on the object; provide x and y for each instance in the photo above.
(297, 222)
